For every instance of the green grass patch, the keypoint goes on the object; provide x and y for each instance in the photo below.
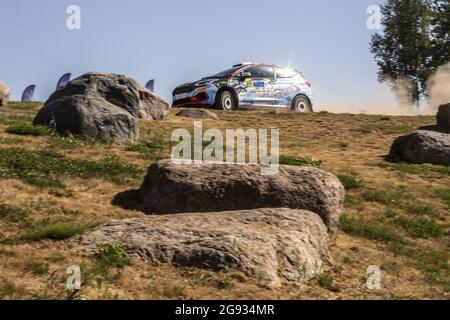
(8, 289)
(385, 196)
(426, 170)
(294, 161)
(326, 281)
(11, 140)
(58, 230)
(16, 119)
(153, 149)
(419, 209)
(45, 168)
(36, 267)
(370, 230)
(419, 228)
(353, 201)
(433, 263)
(386, 128)
(349, 182)
(110, 256)
(17, 105)
(12, 213)
(26, 129)
(444, 195)
(9, 241)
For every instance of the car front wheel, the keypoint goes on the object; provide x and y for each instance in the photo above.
(225, 101)
(301, 104)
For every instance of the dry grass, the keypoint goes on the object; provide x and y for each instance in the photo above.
(396, 215)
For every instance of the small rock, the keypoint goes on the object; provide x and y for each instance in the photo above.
(422, 147)
(273, 245)
(5, 93)
(206, 187)
(443, 117)
(198, 114)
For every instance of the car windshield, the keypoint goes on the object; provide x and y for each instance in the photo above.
(226, 73)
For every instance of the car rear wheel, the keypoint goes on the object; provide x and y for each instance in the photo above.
(226, 101)
(301, 104)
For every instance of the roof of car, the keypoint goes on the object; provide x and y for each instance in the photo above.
(243, 64)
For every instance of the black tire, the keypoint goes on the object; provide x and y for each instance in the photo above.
(226, 101)
(301, 104)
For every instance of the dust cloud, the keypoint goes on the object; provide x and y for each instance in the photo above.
(392, 98)
(439, 87)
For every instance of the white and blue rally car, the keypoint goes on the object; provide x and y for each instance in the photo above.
(248, 84)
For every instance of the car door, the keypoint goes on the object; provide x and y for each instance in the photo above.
(259, 81)
(285, 84)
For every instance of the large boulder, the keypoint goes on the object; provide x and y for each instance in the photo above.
(422, 147)
(151, 106)
(443, 117)
(5, 93)
(271, 244)
(198, 114)
(101, 105)
(206, 187)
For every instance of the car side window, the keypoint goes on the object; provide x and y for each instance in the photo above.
(285, 73)
(260, 71)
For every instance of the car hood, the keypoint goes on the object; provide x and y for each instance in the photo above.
(201, 82)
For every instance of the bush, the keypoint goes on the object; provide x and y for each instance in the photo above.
(56, 231)
(111, 255)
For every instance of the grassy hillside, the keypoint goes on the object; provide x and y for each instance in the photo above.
(53, 188)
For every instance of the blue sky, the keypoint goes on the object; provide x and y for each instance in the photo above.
(175, 41)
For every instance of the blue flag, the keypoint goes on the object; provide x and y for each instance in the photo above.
(63, 80)
(28, 93)
(151, 85)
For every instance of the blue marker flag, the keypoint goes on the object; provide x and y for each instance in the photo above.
(28, 93)
(63, 80)
(150, 85)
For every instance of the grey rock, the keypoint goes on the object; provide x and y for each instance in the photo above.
(5, 93)
(273, 245)
(151, 106)
(443, 117)
(206, 187)
(101, 105)
(422, 147)
(198, 114)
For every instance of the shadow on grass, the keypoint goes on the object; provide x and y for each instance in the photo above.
(128, 200)
(434, 128)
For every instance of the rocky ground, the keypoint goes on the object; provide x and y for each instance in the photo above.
(54, 189)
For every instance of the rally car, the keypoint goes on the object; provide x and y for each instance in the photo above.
(248, 84)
